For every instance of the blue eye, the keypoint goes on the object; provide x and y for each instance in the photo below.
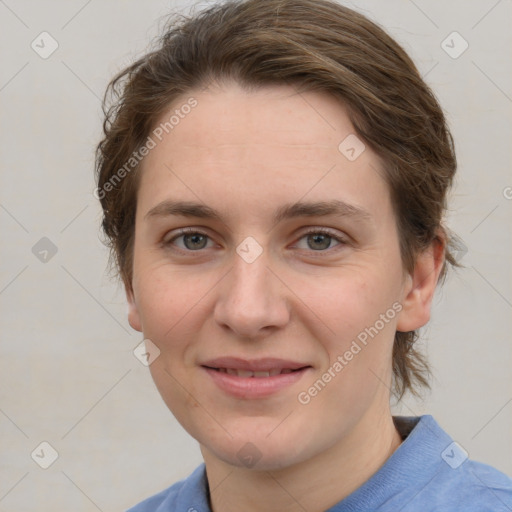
(319, 240)
(192, 240)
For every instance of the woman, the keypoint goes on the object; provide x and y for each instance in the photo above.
(273, 178)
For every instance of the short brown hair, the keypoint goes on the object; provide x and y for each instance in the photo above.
(313, 45)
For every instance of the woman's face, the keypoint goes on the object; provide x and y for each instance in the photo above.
(290, 260)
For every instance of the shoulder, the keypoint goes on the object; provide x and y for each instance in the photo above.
(474, 487)
(187, 495)
(443, 478)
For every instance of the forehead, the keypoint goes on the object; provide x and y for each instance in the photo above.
(270, 115)
(248, 150)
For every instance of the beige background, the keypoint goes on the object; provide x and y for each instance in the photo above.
(67, 372)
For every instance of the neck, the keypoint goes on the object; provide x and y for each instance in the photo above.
(315, 484)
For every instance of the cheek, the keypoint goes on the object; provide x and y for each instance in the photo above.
(350, 300)
(170, 309)
(357, 329)
(161, 293)
(171, 305)
(161, 302)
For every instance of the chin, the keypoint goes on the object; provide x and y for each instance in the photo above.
(259, 451)
(250, 457)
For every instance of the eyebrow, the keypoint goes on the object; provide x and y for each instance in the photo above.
(289, 211)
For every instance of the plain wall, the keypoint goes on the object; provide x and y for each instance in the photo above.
(68, 375)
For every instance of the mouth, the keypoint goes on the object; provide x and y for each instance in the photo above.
(256, 374)
(254, 379)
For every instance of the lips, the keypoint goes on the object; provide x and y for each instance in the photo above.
(263, 367)
(257, 378)
(249, 373)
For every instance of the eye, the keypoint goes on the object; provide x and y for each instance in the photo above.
(320, 239)
(192, 240)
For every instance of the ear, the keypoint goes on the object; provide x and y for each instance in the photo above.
(420, 286)
(133, 311)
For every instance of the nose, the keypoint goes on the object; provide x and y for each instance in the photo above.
(252, 300)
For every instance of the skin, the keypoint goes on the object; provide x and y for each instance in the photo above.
(245, 154)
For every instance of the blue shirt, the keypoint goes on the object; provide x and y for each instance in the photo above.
(428, 472)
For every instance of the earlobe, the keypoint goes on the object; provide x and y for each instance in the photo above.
(133, 312)
(420, 286)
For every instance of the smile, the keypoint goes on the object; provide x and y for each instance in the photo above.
(249, 373)
(254, 379)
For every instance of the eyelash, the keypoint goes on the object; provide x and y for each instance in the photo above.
(193, 231)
